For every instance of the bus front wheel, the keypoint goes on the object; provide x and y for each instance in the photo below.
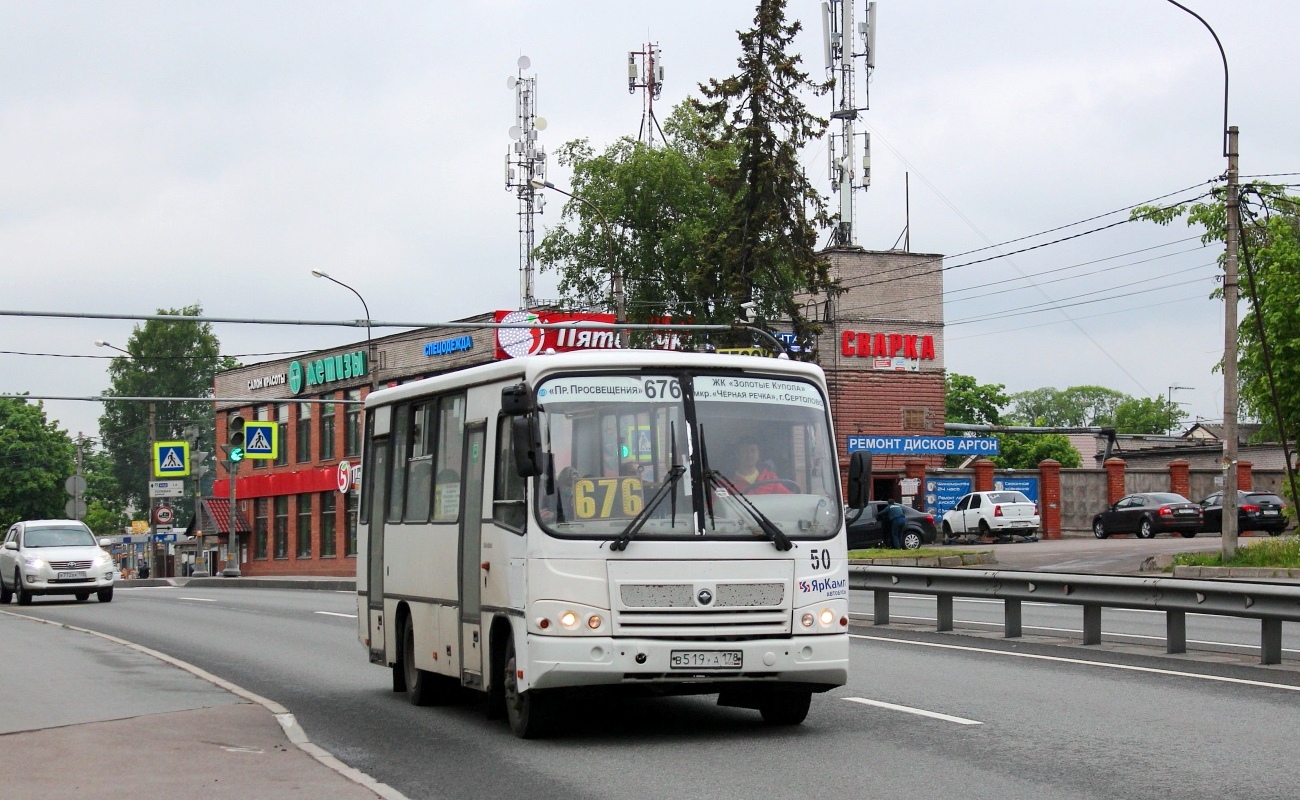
(526, 711)
(785, 708)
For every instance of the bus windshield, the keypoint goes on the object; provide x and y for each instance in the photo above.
(685, 455)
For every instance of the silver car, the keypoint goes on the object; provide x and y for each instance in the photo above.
(54, 556)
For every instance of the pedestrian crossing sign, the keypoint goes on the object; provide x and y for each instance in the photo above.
(171, 459)
(260, 440)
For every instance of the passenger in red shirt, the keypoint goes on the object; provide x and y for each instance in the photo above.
(749, 476)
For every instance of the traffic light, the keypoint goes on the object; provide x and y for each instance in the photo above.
(235, 438)
(198, 465)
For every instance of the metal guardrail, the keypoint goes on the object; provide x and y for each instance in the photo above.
(1271, 604)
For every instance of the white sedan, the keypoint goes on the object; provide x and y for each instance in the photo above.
(992, 514)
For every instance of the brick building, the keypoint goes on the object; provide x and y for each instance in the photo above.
(881, 348)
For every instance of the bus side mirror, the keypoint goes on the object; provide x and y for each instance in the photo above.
(516, 400)
(526, 442)
(859, 479)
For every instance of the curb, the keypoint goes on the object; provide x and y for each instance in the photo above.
(288, 722)
(963, 560)
(319, 584)
(1223, 573)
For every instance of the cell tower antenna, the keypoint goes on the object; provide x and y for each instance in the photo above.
(838, 37)
(525, 163)
(647, 75)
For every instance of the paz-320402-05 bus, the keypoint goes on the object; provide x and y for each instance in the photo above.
(640, 520)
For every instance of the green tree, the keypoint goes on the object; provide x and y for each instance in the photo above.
(763, 251)
(1270, 248)
(973, 403)
(1147, 415)
(1074, 407)
(166, 359)
(105, 511)
(35, 460)
(662, 205)
(1025, 450)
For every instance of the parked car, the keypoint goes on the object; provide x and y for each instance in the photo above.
(1256, 511)
(992, 514)
(1147, 513)
(866, 531)
(54, 556)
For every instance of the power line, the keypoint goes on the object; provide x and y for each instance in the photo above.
(1057, 307)
(1144, 306)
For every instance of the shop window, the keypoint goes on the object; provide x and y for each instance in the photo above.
(282, 431)
(259, 528)
(352, 423)
(281, 524)
(350, 517)
(328, 531)
(304, 525)
(261, 414)
(508, 507)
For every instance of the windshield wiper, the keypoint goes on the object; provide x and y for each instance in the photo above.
(669, 487)
(713, 479)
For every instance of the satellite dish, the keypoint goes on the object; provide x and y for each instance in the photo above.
(515, 132)
(540, 123)
(524, 63)
(511, 81)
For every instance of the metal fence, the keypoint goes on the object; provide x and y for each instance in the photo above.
(1271, 604)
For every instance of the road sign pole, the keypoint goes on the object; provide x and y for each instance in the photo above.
(232, 562)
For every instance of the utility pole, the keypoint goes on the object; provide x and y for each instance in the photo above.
(1232, 224)
(153, 525)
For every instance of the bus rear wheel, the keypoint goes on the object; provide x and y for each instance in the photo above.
(527, 711)
(785, 708)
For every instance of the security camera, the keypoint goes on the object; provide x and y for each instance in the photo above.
(751, 313)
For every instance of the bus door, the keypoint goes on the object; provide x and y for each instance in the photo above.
(471, 555)
(377, 475)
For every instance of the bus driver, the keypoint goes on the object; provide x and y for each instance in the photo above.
(749, 476)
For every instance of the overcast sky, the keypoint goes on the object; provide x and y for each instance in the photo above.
(162, 154)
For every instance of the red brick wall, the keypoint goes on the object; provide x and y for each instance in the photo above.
(1114, 479)
(873, 402)
(1049, 498)
(1180, 477)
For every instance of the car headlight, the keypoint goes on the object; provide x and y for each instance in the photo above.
(103, 560)
(33, 562)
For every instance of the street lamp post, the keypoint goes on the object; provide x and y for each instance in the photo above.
(370, 354)
(616, 275)
(153, 437)
(1232, 228)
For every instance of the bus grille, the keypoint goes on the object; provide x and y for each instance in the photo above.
(674, 610)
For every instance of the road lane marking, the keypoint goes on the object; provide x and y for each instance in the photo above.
(1081, 661)
(198, 599)
(920, 712)
(337, 614)
(1116, 634)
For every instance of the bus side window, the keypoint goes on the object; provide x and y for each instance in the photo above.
(451, 440)
(401, 447)
(509, 508)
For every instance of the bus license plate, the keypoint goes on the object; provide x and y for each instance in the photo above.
(706, 659)
(71, 576)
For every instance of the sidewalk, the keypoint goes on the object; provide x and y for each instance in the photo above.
(89, 716)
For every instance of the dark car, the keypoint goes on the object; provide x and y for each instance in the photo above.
(1256, 511)
(1147, 513)
(866, 531)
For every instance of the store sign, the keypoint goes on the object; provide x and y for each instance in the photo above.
(520, 342)
(892, 351)
(267, 381)
(347, 475)
(308, 374)
(444, 347)
(925, 445)
(942, 494)
(1026, 486)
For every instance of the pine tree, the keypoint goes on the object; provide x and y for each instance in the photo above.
(764, 252)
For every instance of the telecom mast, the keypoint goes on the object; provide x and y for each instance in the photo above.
(837, 33)
(648, 76)
(526, 162)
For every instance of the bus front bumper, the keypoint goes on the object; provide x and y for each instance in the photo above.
(556, 662)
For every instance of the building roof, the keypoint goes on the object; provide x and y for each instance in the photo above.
(214, 514)
(1206, 430)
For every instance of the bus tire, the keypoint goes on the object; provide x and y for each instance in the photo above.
(421, 689)
(526, 711)
(785, 708)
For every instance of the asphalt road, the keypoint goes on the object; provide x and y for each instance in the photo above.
(1014, 719)
(1116, 555)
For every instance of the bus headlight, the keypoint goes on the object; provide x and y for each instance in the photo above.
(569, 620)
(807, 620)
(827, 617)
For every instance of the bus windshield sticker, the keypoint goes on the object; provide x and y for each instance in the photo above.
(710, 389)
(611, 388)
